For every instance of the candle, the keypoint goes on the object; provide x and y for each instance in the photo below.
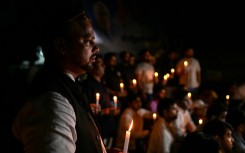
(165, 79)
(97, 99)
(172, 70)
(134, 82)
(189, 95)
(154, 115)
(227, 97)
(121, 87)
(127, 136)
(185, 64)
(200, 121)
(115, 101)
(156, 77)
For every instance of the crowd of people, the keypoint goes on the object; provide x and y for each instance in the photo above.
(81, 100)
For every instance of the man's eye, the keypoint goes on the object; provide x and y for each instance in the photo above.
(88, 43)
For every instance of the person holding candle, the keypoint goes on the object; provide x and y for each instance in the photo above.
(138, 134)
(160, 92)
(113, 77)
(199, 109)
(56, 116)
(94, 85)
(163, 132)
(188, 70)
(144, 73)
(126, 69)
(168, 65)
(184, 123)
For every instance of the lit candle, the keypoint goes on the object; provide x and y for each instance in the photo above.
(126, 142)
(189, 95)
(227, 97)
(97, 99)
(134, 82)
(121, 87)
(154, 115)
(156, 77)
(172, 70)
(200, 121)
(115, 101)
(165, 79)
(185, 63)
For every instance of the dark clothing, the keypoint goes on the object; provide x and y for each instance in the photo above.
(128, 74)
(106, 122)
(88, 139)
(112, 78)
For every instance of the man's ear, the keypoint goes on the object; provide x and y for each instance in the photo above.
(59, 44)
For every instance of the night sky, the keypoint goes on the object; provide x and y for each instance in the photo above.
(215, 29)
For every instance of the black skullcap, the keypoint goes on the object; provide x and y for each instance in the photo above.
(59, 12)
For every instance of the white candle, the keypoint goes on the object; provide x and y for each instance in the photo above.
(185, 64)
(200, 121)
(165, 79)
(154, 115)
(172, 70)
(126, 142)
(134, 82)
(156, 77)
(121, 87)
(227, 97)
(97, 99)
(115, 101)
(189, 95)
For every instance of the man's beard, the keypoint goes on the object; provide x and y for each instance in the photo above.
(86, 67)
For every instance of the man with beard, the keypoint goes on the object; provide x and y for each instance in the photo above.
(163, 132)
(236, 118)
(56, 116)
(221, 131)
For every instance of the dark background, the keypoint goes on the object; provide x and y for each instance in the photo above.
(214, 28)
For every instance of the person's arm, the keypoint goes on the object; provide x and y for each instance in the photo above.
(190, 126)
(47, 125)
(199, 74)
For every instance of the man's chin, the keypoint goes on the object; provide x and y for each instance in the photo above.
(86, 66)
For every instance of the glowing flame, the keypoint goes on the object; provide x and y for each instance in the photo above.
(121, 85)
(154, 116)
(227, 97)
(185, 63)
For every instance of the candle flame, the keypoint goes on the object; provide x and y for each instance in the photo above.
(156, 74)
(172, 70)
(185, 63)
(154, 116)
(200, 121)
(189, 94)
(131, 125)
(121, 85)
(97, 94)
(115, 98)
(134, 81)
(227, 97)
